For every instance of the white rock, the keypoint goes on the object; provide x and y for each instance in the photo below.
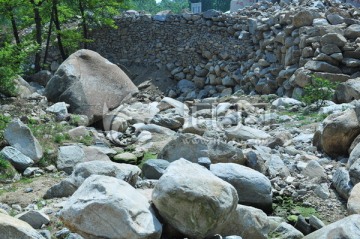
(106, 207)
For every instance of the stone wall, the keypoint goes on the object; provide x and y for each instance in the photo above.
(185, 40)
(264, 48)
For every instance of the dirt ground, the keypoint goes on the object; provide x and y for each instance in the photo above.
(15, 193)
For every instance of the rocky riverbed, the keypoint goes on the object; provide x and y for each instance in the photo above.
(261, 155)
(91, 155)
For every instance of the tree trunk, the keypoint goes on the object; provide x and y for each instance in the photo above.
(84, 23)
(58, 30)
(14, 27)
(38, 31)
(48, 37)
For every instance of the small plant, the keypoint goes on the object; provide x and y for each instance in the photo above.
(87, 140)
(318, 91)
(60, 138)
(75, 120)
(6, 169)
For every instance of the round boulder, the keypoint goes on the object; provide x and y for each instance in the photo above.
(192, 200)
(90, 84)
(338, 132)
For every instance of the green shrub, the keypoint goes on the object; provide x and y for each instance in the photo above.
(318, 91)
(7, 171)
(12, 63)
(4, 120)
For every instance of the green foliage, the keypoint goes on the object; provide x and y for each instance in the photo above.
(75, 120)
(87, 140)
(222, 5)
(61, 138)
(49, 158)
(12, 63)
(318, 91)
(305, 211)
(17, 15)
(7, 171)
(176, 6)
(292, 218)
(285, 207)
(4, 120)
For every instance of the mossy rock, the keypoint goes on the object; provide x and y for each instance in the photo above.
(126, 157)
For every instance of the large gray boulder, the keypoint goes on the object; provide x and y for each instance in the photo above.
(353, 204)
(348, 91)
(12, 228)
(82, 171)
(18, 135)
(253, 188)
(90, 84)
(106, 207)
(247, 222)
(348, 228)
(192, 147)
(192, 200)
(353, 31)
(16, 158)
(337, 133)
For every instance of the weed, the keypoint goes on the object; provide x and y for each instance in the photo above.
(61, 138)
(24, 180)
(75, 120)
